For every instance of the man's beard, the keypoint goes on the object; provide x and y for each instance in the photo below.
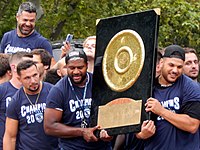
(34, 90)
(24, 32)
(79, 82)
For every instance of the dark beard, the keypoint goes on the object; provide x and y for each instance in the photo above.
(35, 90)
(81, 81)
(24, 32)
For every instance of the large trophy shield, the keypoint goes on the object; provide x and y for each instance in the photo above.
(124, 70)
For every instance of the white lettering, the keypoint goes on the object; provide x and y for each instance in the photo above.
(72, 106)
(8, 100)
(12, 49)
(172, 105)
(23, 111)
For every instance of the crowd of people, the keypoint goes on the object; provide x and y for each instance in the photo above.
(46, 104)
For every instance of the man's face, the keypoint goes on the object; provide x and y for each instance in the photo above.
(30, 79)
(171, 69)
(62, 68)
(25, 23)
(191, 66)
(76, 70)
(40, 66)
(89, 48)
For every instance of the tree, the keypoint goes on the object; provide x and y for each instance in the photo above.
(179, 20)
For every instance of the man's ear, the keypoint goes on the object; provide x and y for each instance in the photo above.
(13, 67)
(18, 77)
(17, 17)
(59, 72)
(9, 73)
(46, 67)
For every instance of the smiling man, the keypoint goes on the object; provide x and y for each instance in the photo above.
(67, 115)
(24, 37)
(176, 102)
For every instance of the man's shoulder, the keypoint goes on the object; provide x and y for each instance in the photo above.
(8, 35)
(38, 36)
(7, 86)
(10, 32)
(47, 85)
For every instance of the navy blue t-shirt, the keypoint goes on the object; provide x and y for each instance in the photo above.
(7, 90)
(61, 97)
(31, 133)
(178, 98)
(12, 43)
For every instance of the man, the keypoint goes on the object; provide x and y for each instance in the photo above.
(5, 70)
(70, 101)
(24, 37)
(68, 108)
(176, 101)
(58, 71)
(24, 121)
(89, 47)
(191, 64)
(43, 61)
(8, 89)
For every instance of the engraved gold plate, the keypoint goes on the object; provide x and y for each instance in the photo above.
(123, 60)
(120, 112)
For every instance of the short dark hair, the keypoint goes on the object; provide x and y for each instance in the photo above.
(27, 6)
(19, 55)
(191, 50)
(52, 76)
(25, 65)
(44, 55)
(4, 64)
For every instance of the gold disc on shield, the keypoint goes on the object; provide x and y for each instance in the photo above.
(123, 60)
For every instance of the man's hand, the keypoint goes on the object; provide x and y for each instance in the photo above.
(147, 130)
(104, 136)
(88, 134)
(65, 49)
(154, 106)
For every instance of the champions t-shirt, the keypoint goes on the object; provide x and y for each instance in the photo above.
(183, 97)
(12, 43)
(31, 133)
(7, 90)
(63, 98)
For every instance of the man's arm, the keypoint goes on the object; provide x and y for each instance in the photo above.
(181, 121)
(9, 139)
(52, 126)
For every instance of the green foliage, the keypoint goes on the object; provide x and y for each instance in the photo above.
(179, 20)
(8, 10)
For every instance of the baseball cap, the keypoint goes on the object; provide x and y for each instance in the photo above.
(174, 51)
(75, 54)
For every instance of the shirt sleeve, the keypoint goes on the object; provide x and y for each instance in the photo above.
(2, 44)
(55, 99)
(192, 109)
(47, 46)
(11, 111)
